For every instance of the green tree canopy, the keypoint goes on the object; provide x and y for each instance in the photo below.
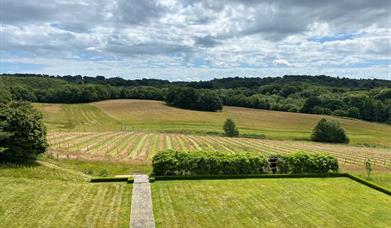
(230, 129)
(22, 132)
(195, 99)
(329, 131)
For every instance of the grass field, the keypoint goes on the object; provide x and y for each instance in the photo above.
(333, 202)
(114, 115)
(54, 196)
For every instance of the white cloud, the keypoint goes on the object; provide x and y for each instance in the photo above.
(282, 62)
(233, 38)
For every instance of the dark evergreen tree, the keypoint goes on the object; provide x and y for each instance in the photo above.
(230, 129)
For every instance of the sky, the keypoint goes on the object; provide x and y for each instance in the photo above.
(196, 40)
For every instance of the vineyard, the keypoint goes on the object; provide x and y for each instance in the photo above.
(139, 147)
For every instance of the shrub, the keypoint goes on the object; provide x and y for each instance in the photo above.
(329, 131)
(230, 129)
(103, 173)
(174, 163)
(22, 132)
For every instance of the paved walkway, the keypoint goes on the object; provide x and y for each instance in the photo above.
(141, 212)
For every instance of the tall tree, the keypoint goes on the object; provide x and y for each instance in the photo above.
(230, 129)
(23, 132)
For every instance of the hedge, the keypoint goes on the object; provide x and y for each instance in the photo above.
(130, 180)
(248, 176)
(369, 184)
(174, 163)
(109, 179)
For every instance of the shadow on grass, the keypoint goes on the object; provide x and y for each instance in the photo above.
(6, 162)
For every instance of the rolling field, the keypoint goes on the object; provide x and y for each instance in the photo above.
(144, 115)
(332, 202)
(132, 131)
(52, 196)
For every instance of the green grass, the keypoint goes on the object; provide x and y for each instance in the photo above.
(96, 168)
(312, 202)
(79, 117)
(155, 116)
(382, 178)
(53, 203)
(50, 195)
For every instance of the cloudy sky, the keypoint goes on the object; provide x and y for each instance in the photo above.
(196, 40)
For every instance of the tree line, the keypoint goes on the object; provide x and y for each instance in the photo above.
(367, 99)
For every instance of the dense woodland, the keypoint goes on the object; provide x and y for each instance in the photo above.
(368, 99)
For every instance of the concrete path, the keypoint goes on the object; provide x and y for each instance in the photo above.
(141, 212)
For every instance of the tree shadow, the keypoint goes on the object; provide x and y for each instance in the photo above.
(18, 163)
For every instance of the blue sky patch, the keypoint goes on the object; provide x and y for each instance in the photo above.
(6, 67)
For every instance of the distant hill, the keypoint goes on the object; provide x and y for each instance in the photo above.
(367, 99)
(223, 83)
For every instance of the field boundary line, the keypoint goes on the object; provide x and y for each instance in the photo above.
(369, 184)
(53, 166)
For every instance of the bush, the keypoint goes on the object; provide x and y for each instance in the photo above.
(22, 132)
(174, 163)
(103, 173)
(329, 131)
(230, 129)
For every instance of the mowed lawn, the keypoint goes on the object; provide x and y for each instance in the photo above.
(114, 115)
(309, 202)
(42, 197)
